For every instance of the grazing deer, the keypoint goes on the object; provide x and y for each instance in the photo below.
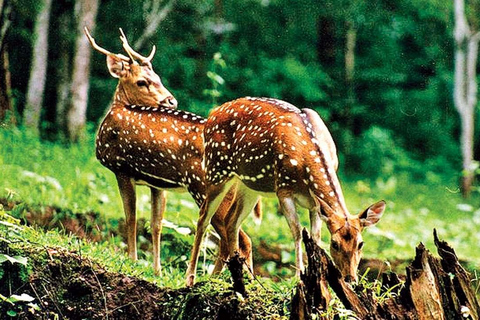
(144, 140)
(272, 147)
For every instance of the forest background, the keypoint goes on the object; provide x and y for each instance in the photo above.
(379, 72)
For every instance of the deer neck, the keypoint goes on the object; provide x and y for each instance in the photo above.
(121, 96)
(324, 183)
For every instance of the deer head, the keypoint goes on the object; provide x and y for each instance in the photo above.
(346, 242)
(138, 84)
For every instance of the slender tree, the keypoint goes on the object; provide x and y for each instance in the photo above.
(38, 71)
(63, 72)
(77, 109)
(155, 12)
(6, 108)
(465, 90)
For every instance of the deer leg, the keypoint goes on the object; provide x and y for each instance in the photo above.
(207, 210)
(244, 204)
(287, 204)
(315, 226)
(159, 202)
(218, 222)
(220, 228)
(245, 246)
(126, 185)
(220, 219)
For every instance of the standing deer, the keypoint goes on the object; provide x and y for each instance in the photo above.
(144, 140)
(273, 148)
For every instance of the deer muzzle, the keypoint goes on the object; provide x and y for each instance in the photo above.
(169, 102)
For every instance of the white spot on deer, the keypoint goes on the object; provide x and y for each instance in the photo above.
(293, 162)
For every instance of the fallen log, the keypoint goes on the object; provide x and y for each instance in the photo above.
(435, 288)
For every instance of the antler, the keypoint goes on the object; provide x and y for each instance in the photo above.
(132, 53)
(102, 50)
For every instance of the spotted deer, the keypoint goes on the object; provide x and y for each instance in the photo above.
(145, 140)
(270, 147)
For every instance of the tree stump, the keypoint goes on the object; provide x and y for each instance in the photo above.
(235, 265)
(435, 288)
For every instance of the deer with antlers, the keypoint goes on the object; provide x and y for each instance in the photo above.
(144, 140)
(270, 147)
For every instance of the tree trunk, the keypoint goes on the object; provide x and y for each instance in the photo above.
(350, 44)
(77, 110)
(6, 107)
(465, 90)
(63, 76)
(5, 20)
(38, 71)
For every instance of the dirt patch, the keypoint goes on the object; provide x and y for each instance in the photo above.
(67, 286)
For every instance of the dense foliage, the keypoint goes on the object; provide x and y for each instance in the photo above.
(392, 102)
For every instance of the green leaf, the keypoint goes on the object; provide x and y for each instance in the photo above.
(33, 307)
(11, 313)
(21, 298)
(14, 259)
(3, 298)
(10, 225)
(215, 77)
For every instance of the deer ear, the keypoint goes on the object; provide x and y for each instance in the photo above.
(372, 214)
(116, 66)
(323, 214)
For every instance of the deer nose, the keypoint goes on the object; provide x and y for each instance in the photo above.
(349, 279)
(169, 102)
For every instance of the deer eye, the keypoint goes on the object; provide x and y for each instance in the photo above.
(142, 83)
(360, 246)
(335, 246)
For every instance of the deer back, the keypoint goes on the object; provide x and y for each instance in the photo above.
(270, 144)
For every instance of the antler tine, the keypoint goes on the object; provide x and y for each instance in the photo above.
(100, 49)
(150, 56)
(126, 46)
(132, 53)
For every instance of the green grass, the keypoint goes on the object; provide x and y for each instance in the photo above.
(26, 243)
(43, 173)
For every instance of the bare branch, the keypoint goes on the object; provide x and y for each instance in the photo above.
(5, 20)
(153, 18)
